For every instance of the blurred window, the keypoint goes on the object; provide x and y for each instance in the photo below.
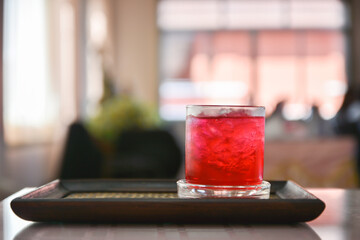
(28, 97)
(257, 52)
(40, 70)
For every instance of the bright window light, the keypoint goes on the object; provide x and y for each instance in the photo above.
(28, 99)
(259, 52)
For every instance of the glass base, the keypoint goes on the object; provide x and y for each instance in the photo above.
(188, 190)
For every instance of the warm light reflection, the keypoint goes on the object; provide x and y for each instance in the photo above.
(301, 69)
(334, 211)
(290, 51)
(329, 224)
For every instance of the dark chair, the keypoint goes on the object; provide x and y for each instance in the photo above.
(136, 154)
(146, 154)
(81, 157)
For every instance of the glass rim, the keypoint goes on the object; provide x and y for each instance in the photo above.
(226, 106)
(185, 182)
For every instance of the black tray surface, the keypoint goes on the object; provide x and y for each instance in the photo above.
(156, 201)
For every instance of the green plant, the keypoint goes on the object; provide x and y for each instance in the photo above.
(118, 114)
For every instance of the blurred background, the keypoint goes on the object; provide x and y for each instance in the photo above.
(85, 84)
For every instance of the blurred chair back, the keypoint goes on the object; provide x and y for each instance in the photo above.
(136, 154)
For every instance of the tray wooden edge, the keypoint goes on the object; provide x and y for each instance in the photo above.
(52, 208)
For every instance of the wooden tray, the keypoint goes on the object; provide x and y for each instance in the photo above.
(157, 202)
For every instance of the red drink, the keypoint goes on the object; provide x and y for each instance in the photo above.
(225, 150)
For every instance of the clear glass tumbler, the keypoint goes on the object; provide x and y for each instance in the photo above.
(224, 152)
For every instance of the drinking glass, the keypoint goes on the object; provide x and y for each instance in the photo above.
(224, 152)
